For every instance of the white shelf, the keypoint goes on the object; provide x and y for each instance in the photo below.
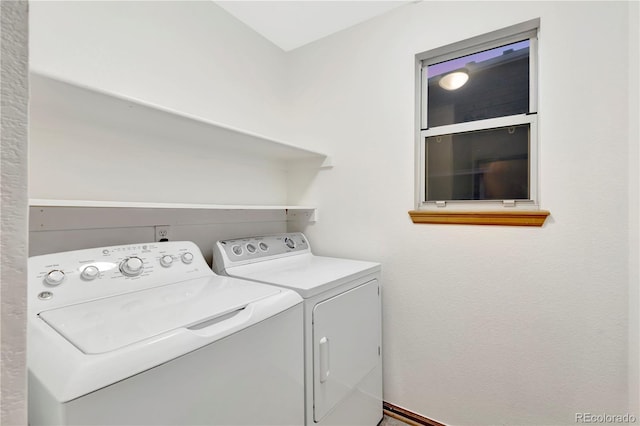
(139, 205)
(53, 98)
(55, 215)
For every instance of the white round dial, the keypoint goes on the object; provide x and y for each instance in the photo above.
(54, 277)
(131, 266)
(166, 260)
(237, 250)
(251, 248)
(187, 257)
(90, 273)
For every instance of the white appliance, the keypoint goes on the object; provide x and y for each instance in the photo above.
(147, 334)
(342, 321)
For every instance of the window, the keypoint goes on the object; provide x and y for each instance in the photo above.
(477, 138)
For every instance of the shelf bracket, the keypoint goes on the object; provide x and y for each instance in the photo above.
(307, 215)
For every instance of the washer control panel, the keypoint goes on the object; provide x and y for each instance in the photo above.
(60, 279)
(257, 249)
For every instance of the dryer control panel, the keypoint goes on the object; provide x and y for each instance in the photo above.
(61, 279)
(241, 251)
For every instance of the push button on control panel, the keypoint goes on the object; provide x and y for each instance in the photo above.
(45, 295)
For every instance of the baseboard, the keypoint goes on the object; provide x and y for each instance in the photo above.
(408, 416)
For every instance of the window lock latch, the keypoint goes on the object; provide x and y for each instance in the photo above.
(441, 203)
(509, 203)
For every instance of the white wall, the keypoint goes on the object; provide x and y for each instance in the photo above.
(192, 57)
(484, 325)
(13, 211)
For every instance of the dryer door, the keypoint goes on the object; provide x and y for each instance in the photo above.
(346, 344)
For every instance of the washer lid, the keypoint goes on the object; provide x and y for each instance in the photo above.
(111, 323)
(306, 273)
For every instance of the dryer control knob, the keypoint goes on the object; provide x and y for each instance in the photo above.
(131, 266)
(54, 277)
(166, 260)
(90, 273)
(290, 243)
(187, 257)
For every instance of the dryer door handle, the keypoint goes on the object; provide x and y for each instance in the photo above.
(324, 359)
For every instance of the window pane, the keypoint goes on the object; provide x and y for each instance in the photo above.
(497, 86)
(482, 165)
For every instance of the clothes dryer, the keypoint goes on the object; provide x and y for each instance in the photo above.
(342, 321)
(147, 334)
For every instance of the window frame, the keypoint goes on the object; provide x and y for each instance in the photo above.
(526, 30)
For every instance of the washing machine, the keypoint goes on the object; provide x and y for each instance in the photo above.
(147, 334)
(342, 321)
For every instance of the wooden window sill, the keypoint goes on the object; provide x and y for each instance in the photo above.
(505, 218)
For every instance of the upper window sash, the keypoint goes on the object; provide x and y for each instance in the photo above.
(527, 30)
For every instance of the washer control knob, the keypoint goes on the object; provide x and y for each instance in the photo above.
(251, 248)
(54, 277)
(187, 257)
(237, 250)
(90, 273)
(290, 243)
(131, 266)
(264, 246)
(166, 260)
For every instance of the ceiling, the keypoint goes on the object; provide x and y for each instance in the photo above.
(291, 24)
